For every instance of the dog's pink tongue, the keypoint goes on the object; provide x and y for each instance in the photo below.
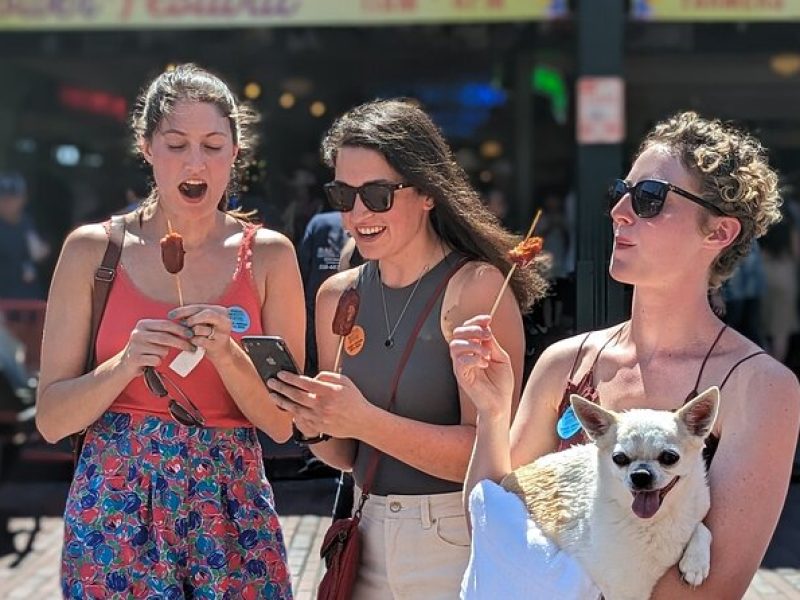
(646, 504)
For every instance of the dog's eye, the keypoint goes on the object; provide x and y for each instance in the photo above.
(620, 459)
(668, 458)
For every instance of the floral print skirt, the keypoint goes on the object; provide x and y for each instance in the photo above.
(158, 510)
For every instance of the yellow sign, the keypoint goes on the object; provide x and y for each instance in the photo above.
(153, 14)
(715, 10)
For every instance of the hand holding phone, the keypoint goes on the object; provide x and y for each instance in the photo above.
(269, 354)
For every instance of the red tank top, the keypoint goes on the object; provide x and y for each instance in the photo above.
(127, 304)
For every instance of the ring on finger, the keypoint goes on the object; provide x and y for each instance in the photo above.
(210, 336)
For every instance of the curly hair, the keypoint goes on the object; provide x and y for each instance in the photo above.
(188, 82)
(415, 147)
(734, 175)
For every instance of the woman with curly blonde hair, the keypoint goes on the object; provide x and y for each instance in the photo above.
(697, 195)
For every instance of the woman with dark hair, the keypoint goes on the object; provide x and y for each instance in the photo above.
(428, 242)
(697, 195)
(169, 496)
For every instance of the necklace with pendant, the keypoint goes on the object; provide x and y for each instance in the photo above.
(390, 331)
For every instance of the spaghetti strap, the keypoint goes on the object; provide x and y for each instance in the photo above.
(693, 393)
(244, 258)
(611, 338)
(733, 368)
(578, 355)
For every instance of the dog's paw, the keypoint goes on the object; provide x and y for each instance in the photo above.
(696, 560)
(693, 569)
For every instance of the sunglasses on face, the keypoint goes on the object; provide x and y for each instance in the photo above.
(377, 196)
(185, 413)
(648, 196)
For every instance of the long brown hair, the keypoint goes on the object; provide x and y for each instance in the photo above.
(415, 147)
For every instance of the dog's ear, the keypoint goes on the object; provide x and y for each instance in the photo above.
(596, 421)
(699, 414)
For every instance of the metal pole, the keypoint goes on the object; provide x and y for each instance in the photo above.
(523, 141)
(600, 53)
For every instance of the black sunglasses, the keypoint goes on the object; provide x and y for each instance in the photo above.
(377, 196)
(648, 196)
(185, 415)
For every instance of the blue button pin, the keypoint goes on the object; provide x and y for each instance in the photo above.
(568, 425)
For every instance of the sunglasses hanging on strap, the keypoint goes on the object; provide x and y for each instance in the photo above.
(103, 280)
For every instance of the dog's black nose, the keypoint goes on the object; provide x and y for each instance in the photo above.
(641, 478)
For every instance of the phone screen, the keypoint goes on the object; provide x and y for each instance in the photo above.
(269, 355)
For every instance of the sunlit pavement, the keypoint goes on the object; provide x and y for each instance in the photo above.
(30, 551)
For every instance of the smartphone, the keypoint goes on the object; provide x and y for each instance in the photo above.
(269, 354)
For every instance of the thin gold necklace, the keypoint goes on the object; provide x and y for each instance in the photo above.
(390, 331)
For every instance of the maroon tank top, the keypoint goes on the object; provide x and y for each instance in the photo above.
(569, 429)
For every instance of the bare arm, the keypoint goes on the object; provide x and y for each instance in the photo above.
(483, 371)
(283, 314)
(749, 479)
(441, 451)
(336, 452)
(68, 400)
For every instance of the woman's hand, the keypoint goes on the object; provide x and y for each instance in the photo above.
(211, 327)
(481, 366)
(150, 342)
(329, 403)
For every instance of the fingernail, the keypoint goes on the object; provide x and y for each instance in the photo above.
(171, 314)
(189, 332)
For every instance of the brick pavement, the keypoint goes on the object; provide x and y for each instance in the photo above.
(30, 570)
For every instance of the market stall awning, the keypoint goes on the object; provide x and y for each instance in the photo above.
(196, 14)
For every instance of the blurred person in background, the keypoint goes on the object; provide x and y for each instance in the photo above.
(169, 495)
(21, 248)
(780, 249)
(739, 301)
(319, 253)
(303, 204)
(556, 229)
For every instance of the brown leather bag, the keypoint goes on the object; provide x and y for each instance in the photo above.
(103, 279)
(341, 547)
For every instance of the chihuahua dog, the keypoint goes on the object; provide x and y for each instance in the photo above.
(631, 504)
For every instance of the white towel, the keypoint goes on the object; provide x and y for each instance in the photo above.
(512, 558)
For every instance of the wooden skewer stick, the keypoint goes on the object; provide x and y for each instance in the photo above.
(336, 365)
(514, 266)
(177, 277)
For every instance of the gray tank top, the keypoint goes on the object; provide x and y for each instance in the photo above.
(427, 390)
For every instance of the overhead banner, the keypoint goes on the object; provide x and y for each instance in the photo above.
(193, 14)
(715, 10)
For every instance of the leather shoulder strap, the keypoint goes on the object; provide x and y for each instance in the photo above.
(103, 280)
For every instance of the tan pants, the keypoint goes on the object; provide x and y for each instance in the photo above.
(413, 547)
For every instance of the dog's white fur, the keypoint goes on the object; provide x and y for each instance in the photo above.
(583, 501)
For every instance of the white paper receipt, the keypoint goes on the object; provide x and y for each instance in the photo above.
(186, 361)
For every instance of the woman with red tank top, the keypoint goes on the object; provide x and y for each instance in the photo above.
(169, 497)
(696, 197)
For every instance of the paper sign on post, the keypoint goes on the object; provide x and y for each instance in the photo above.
(601, 110)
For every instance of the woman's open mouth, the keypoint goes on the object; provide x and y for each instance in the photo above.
(193, 189)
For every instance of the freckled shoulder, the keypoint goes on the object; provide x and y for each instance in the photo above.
(335, 285)
(471, 291)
